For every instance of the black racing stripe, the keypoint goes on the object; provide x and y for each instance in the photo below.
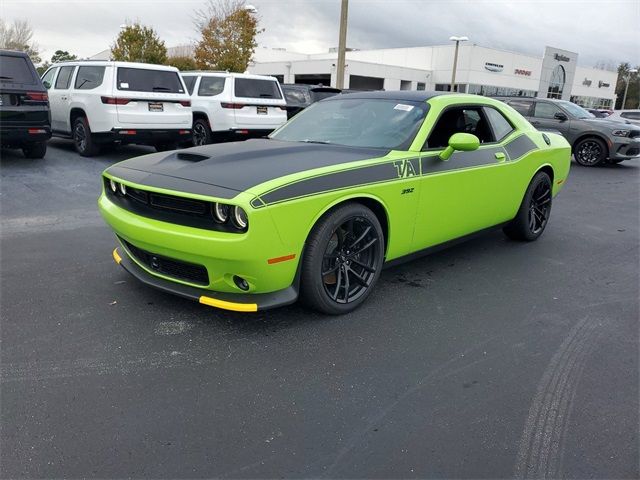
(242, 165)
(519, 147)
(382, 172)
(460, 160)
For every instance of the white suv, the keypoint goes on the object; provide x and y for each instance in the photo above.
(234, 105)
(101, 102)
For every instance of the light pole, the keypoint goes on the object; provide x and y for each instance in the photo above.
(342, 44)
(455, 59)
(626, 88)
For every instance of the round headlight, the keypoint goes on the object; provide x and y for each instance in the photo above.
(123, 189)
(240, 218)
(113, 185)
(220, 212)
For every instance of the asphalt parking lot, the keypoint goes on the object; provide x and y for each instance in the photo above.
(491, 359)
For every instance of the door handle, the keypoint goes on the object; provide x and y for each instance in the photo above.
(535, 122)
(63, 98)
(501, 157)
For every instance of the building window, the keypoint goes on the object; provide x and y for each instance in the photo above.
(493, 91)
(421, 86)
(556, 83)
(405, 84)
(446, 87)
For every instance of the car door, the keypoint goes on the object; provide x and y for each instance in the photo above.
(548, 116)
(465, 193)
(60, 101)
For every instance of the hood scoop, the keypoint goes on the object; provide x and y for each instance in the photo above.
(189, 157)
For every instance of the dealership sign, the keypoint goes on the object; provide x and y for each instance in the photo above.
(560, 58)
(603, 84)
(586, 82)
(519, 71)
(493, 67)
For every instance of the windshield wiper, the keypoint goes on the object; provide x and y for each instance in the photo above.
(84, 80)
(321, 142)
(163, 89)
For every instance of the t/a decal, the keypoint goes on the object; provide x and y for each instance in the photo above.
(405, 169)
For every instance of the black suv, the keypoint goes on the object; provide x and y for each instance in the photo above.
(25, 120)
(594, 141)
(299, 96)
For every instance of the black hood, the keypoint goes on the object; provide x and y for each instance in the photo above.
(223, 170)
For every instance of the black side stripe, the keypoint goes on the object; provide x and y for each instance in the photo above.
(381, 172)
(395, 170)
(519, 147)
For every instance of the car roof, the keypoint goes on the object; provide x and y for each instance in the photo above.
(104, 63)
(13, 53)
(409, 95)
(219, 73)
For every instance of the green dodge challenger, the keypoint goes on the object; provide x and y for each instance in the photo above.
(352, 183)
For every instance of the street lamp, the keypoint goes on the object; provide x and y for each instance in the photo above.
(455, 59)
(627, 78)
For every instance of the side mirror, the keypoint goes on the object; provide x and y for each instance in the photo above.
(46, 84)
(463, 142)
(560, 116)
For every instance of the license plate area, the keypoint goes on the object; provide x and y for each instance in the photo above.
(262, 110)
(7, 99)
(156, 107)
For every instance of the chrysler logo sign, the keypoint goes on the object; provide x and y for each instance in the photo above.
(560, 58)
(493, 67)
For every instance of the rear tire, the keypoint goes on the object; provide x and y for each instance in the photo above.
(343, 259)
(82, 139)
(201, 133)
(533, 214)
(35, 150)
(590, 152)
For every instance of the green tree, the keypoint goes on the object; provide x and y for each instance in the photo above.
(139, 43)
(62, 56)
(633, 93)
(228, 30)
(19, 36)
(182, 62)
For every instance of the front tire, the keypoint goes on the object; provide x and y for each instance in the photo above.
(35, 150)
(82, 139)
(590, 152)
(343, 259)
(201, 133)
(533, 215)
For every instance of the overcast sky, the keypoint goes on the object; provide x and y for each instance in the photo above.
(606, 30)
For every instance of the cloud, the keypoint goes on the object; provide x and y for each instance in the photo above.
(597, 30)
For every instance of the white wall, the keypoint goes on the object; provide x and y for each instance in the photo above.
(595, 76)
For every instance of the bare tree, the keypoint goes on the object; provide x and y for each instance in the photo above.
(18, 36)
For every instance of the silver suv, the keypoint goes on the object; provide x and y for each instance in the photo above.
(594, 141)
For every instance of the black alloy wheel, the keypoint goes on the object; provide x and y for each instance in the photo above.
(201, 133)
(540, 208)
(590, 152)
(343, 259)
(534, 212)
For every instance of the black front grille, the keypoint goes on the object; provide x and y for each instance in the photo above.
(190, 212)
(170, 267)
(634, 133)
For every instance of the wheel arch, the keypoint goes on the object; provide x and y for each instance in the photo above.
(74, 113)
(372, 202)
(548, 169)
(597, 135)
(200, 115)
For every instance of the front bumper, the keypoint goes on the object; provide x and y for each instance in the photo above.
(236, 302)
(140, 136)
(627, 149)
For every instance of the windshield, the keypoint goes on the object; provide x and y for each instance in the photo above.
(357, 122)
(576, 110)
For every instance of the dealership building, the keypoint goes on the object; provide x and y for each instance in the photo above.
(481, 70)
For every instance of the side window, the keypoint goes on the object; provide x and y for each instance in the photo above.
(89, 77)
(459, 120)
(47, 78)
(64, 78)
(295, 96)
(631, 115)
(523, 107)
(545, 110)
(500, 125)
(189, 82)
(210, 86)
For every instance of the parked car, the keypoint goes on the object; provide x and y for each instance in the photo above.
(316, 210)
(594, 141)
(234, 106)
(599, 112)
(25, 121)
(300, 96)
(627, 116)
(102, 102)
